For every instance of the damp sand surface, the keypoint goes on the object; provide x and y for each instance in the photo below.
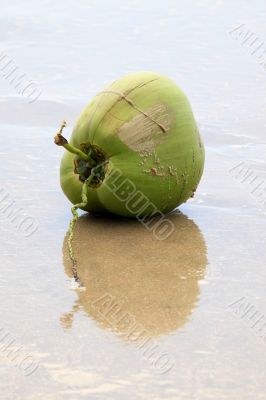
(196, 299)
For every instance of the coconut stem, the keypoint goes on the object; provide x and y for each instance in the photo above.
(60, 140)
(83, 204)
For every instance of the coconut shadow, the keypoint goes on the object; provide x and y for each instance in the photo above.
(130, 277)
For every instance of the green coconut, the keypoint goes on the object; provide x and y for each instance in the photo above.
(135, 150)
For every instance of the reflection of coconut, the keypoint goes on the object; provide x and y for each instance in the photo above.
(132, 278)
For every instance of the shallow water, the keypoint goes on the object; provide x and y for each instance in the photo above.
(199, 296)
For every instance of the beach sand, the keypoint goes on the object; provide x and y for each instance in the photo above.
(197, 297)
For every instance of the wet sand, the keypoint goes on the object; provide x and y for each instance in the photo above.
(197, 299)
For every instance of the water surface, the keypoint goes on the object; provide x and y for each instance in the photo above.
(191, 293)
